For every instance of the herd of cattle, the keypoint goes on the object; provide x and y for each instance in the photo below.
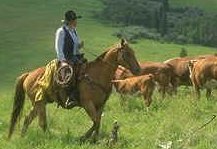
(199, 72)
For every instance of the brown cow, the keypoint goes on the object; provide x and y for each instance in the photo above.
(144, 85)
(180, 75)
(180, 70)
(162, 74)
(204, 75)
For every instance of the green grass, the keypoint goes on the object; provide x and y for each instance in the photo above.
(27, 35)
(175, 120)
(207, 5)
(155, 51)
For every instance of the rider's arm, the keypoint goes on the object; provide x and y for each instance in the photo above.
(59, 43)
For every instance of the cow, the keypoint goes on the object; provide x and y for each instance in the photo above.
(144, 85)
(180, 70)
(162, 74)
(204, 75)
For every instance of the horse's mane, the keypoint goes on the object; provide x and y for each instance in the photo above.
(100, 57)
(106, 51)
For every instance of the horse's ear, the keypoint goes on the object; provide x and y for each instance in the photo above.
(123, 42)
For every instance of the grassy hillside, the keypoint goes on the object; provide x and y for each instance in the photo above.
(27, 36)
(28, 28)
(208, 5)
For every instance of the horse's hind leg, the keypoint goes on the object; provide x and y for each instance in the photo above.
(28, 120)
(37, 109)
(42, 116)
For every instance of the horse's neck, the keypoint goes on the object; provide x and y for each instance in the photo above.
(110, 65)
(103, 68)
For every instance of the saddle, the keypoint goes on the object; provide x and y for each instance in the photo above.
(67, 77)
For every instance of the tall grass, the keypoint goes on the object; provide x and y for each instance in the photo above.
(176, 119)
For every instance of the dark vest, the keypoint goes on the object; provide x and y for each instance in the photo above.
(68, 46)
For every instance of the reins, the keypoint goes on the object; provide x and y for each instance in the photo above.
(96, 56)
(90, 80)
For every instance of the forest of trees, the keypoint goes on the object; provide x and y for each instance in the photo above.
(155, 19)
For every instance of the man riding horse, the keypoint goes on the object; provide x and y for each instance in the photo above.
(67, 46)
(94, 88)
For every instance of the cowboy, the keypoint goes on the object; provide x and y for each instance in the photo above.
(68, 45)
(67, 42)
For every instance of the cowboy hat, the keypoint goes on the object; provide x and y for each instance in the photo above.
(70, 15)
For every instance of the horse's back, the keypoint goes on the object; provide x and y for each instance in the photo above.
(32, 79)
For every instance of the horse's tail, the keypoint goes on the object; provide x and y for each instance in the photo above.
(18, 102)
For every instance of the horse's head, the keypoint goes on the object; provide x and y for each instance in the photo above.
(127, 58)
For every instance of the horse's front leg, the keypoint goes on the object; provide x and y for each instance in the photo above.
(95, 116)
(95, 133)
(89, 133)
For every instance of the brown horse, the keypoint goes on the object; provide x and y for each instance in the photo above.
(94, 88)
